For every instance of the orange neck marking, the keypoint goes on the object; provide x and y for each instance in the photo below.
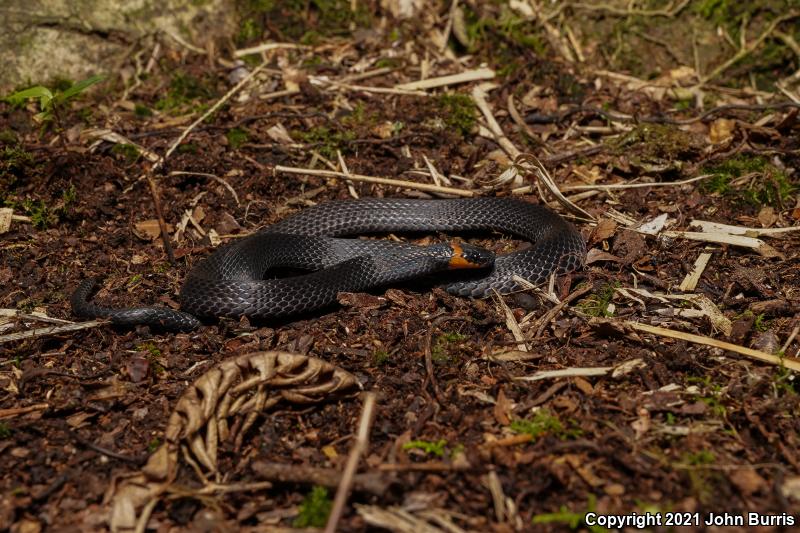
(458, 261)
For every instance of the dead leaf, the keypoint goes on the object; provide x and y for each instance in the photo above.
(279, 134)
(767, 342)
(614, 489)
(79, 420)
(596, 254)
(502, 409)
(330, 452)
(147, 230)
(642, 424)
(747, 480)
(137, 368)
(791, 488)
(721, 130)
(767, 216)
(384, 130)
(605, 229)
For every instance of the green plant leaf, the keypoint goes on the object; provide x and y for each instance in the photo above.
(42, 93)
(78, 88)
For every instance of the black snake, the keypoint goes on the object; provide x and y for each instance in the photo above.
(231, 281)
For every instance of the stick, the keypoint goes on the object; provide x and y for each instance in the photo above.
(16, 411)
(567, 373)
(162, 225)
(371, 179)
(788, 362)
(265, 47)
(441, 81)
(43, 332)
(358, 449)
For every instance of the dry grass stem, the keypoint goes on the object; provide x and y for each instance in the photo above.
(371, 179)
(266, 47)
(443, 81)
(54, 330)
(359, 448)
(788, 362)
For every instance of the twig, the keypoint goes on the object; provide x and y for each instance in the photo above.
(359, 447)
(371, 482)
(212, 176)
(567, 373)
(371, 179)
(479, 96)
(16, 411)
(551, 314)
(265, 47)
(158, 164)
(213, 109)
(511, 322)
(162, 225)
(789, 362)
(724, 238)
(623, 186)
(441, 81)
(43, 332)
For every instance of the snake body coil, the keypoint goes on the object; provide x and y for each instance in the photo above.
(231, 281)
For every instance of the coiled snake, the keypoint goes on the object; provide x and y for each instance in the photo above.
(230, 282)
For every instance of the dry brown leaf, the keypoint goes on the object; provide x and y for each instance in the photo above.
(502, 409)
(147, 229)
(747, 480)
(721, 130)
(596, 254)
(605, 229)
(767, 216)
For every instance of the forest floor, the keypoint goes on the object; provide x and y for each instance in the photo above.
(471, 430)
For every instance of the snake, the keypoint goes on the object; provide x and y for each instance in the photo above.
(235, 280)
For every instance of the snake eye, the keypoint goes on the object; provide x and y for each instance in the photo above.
(469, 256)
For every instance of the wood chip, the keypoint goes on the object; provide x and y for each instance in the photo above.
(689, 283)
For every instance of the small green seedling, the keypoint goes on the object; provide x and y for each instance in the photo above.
(50, 103)
(436, 448)
(315, 509)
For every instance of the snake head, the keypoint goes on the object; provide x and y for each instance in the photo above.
(469, 256)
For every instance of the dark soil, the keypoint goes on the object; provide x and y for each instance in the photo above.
(689, 428)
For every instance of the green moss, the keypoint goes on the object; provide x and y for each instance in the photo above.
(150, 348)
(544, 422)
(236, 137)
(314, 510)
(380, 357)
(325, 140)
(305, 21)
(457, 111)
(5, 430)
(784, 381)
(142, 111)
(14, 161)
(8, 136)
(127, 152)
(184, 89)
(443, 345)
(431, 448)
(507, 36)
(655, 142)
(702, 478)
(596, 304)
(41, 215)
(573, 520)
(769, 186)
(153, 445)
